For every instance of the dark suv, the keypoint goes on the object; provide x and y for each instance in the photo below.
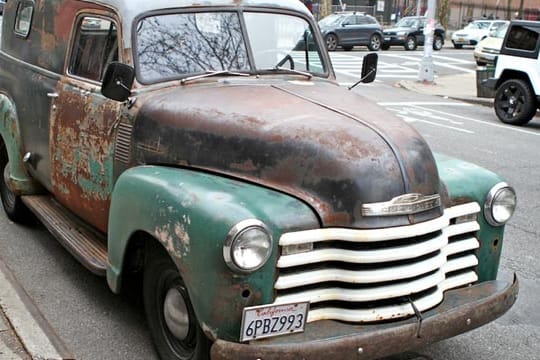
(409, 33)
(347, 29)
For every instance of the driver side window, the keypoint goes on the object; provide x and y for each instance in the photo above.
(95, 46)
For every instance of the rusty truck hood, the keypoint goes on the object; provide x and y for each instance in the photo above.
(330, 147)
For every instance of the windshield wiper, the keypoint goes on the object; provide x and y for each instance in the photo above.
(290, 71)
(209, 73)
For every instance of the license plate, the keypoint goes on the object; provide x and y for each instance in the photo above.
(461, 40)
(272, 320)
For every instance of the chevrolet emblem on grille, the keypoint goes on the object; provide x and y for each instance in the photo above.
(402, 205)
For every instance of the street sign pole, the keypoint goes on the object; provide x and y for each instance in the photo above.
(426, 72)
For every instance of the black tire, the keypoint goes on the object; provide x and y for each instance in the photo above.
(437, 42)
(515, 102)
(331, 42)
(458, 46)
(162, 281)
(410, 43)
(385, 47)
(348, 47)
(15, 209)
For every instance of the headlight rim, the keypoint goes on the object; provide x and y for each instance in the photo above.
(233, 234)
(488, 205)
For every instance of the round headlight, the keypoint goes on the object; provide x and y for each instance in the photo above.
(248, 246)
(500, 204)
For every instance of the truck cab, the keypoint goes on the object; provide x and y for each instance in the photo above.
(269, 212)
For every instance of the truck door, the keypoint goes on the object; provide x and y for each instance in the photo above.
(82, 124)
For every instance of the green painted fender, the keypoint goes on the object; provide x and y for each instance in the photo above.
(468, 182)
(20, 183)
(190, 213)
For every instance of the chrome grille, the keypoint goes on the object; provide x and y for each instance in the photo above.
(372, 275)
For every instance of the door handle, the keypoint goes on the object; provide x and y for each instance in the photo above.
(52, 95)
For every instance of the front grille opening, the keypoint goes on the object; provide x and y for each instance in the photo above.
(397, 301)
(356, 267)
(375, 245)
(350, 286)
(461, 255)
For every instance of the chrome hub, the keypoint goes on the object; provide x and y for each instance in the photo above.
(176, 314)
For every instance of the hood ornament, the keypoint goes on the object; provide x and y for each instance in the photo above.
(407, 204)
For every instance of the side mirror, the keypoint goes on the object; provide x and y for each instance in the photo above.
(369, 67)
(345, 23)
(118, 81)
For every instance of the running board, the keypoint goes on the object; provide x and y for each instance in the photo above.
(85, 244)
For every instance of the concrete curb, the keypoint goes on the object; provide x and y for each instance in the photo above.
(36, 335)
(460, 87)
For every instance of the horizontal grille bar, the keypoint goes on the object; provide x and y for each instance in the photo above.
(363, 277)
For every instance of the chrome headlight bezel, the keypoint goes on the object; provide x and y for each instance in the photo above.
(234, 239)
(503, 195)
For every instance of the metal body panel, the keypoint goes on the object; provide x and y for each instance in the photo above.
(191, 213)
(289, 136)
(19, 180)
(82, 155)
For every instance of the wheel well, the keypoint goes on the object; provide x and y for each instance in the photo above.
(513, 74)
(134, 259)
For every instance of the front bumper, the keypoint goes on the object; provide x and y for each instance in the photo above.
(486, 58)
(464, 41)
(462, 310)
(392, 40)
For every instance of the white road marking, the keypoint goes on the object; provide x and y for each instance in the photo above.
(421, 106)
(422, 103)
(437, 63)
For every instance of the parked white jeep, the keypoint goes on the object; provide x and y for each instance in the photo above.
(517, 74)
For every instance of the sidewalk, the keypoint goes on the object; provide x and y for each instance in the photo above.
(24, 333)
(460, 87)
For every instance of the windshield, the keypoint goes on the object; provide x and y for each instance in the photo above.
(408, 22)
(175, 46)
(501, 31)
(477, 25)
(330, 20)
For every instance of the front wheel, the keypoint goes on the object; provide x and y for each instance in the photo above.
(331, 42)
(410, 43)
(375, 42)
(515, 102)
(438, 42)
(171, 319)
